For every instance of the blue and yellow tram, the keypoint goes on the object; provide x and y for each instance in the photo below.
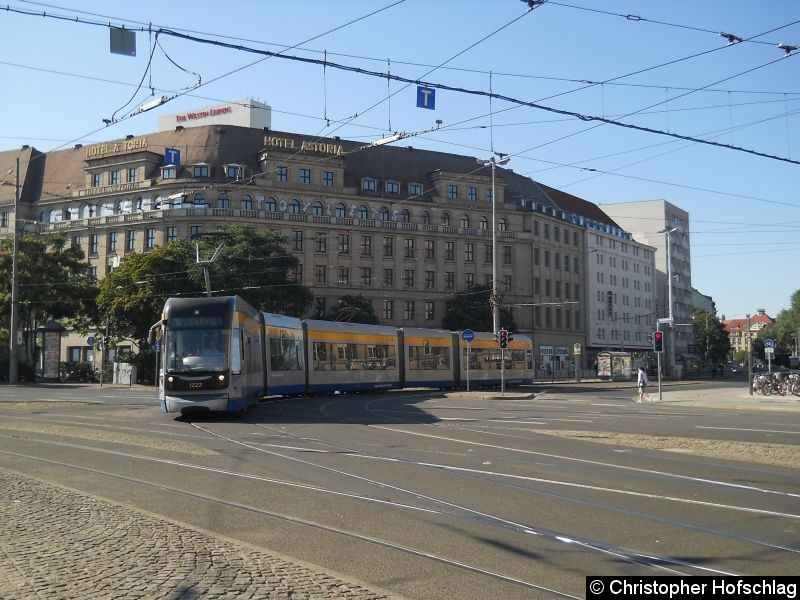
(221, 354)
(212, 354)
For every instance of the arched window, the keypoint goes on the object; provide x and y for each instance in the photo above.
(200, 199)
(341, 211)
(502, 225)
(446, 219)
(384, 214)
(294, 206)
(271, 204)
(247, 202)
(484, 224)
(465, 221)
(118, 207)
(426, 218)
(86, 211)
(363, 212)
(223, 201)
(405, 216)
(317, 209)
(104, 209)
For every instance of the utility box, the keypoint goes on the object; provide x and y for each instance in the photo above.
(124, 373)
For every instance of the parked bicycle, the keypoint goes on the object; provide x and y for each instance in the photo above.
(768, 384)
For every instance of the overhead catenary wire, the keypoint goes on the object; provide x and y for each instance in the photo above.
(143, 25)
(509, 99)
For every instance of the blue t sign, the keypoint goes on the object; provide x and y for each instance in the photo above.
(426, 98)
(172, 156)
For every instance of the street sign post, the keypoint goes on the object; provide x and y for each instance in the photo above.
(468, 335)
(769, 352)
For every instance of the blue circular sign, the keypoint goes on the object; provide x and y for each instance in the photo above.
(468, 335)
(769, 343)
(90, 341)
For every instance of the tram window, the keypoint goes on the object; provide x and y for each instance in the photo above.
(428, 358)
(286, 353)
(236, 352)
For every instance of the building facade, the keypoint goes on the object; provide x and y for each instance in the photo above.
(621, 279)
(649, 221)
(405, 228)
(742, 331)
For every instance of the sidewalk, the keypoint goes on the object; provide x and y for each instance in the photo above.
(674, 393)
(62, 544)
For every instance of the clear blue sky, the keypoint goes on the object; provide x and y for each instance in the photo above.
(60, 82)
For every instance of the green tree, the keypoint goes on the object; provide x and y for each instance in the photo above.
(54, 283)
(131, 297)
(470, 310)
(256, 266)
(352, 309)
(253, 265)
(711, 338)
(787, 325)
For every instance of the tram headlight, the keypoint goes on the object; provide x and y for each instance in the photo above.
(170, 379)
(221, 377)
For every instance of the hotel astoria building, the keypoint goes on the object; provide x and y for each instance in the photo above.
(403, 227)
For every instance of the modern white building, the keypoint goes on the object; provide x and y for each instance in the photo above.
(653, 222)
(621, 290)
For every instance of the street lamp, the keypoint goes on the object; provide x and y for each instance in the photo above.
(671, 342)
(493, 302)
(13, 361)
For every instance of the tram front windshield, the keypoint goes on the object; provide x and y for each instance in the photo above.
(196, 350)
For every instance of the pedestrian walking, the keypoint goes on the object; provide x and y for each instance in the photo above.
(642, 382)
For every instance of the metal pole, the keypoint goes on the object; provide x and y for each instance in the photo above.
(13, 358)
(658, 368)
(749, 359)
(495, 310)
(502, 371)
(468, 348)
(669, 290)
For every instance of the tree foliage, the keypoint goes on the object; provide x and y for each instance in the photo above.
(132, 296)
(352, 309)
(54, 283)
(787, 325)
(256, 266)
(253, 265)
(470, 309)
(711, 338)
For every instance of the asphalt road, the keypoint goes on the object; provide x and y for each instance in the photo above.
(432, 495)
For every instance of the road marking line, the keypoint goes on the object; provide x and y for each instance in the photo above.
(591, 462)
(744, 429)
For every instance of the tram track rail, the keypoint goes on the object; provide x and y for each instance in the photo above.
(426, 502)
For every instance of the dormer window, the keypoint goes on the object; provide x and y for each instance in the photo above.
(414, 189)
(368, 185)
(169, 172)
(200, 170)
(392, 187)
(234, 171)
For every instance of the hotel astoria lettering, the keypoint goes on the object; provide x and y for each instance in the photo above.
(305, 146)
(116, 147)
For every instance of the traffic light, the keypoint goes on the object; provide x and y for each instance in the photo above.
(510, 336)
(658, 341)
(503, 338)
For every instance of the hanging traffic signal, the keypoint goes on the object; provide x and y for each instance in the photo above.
(503, 338)
(658, 341)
